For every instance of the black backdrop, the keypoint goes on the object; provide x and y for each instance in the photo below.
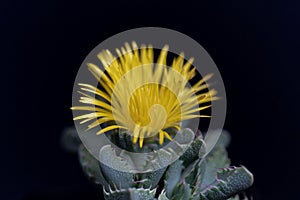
(255, 45)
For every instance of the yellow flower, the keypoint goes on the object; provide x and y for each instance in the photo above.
(140, 96)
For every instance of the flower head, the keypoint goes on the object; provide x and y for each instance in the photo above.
(140, 96)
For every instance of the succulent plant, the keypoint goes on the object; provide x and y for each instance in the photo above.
(196, 175)
(143, 150)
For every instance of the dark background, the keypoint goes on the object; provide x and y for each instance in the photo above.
(255, 45)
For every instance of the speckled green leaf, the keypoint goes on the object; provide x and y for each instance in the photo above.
(237, 179)
(136, 161)
(172, 176)
(181, 191)
(193, 175)
(189, 173)
(91, 167)
(157, 163)
(117, 194)
(163, 196)
(160, 159)
(151, 179)
(142, 194)
(130, 194)
(216, 160)
(229, 182)
(193, 152)
(199, 179)
(185, 136)
(115, 169)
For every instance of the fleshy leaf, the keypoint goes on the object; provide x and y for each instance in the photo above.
(193, 175)
(163, 196)
(115, 169)
(185, 136)
(189, 174)
(196, 150)
(157, 164)
(224, 139)
(151, 179)
(183, 191)
(216, 160)
(70, 139)
(136, 161)
(199, 178)
(229, 182)
(116, 194)
(211, 139)
(142, 194)
(130, 194)
(91, 167)
(139, 162)
(160, 159)
(172, 176)
(215, 139)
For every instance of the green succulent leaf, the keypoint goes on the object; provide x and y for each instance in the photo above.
(130, 194)
(217, 159)
(160, 159)
(181, 142)
(142, 194)
(190, 173)
(155, 167)
(142, 163)
(229, 181)
(163, 196)
(197, 174)
(224, 139)
(236, 178)
(70, 139)
(193, 175)
(121, 194)
(115, 169)
(151, 179)
(136, 161)
(172, 177)
(183, 191)
(211, 139)
(194, 152)
(185, 136)
(91, 168)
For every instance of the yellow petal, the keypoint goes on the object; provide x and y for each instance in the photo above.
(136, 134)
(141, 139)
(109, 128)
(167, 136)
(161, 137)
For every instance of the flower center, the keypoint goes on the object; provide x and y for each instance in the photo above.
(150, 106)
